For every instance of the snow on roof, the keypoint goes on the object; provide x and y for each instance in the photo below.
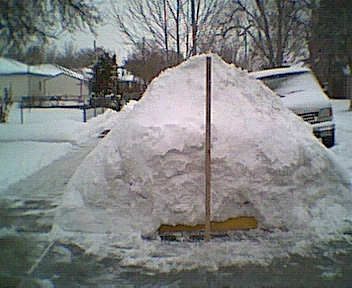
(72, 73)
(45, 70)
(87, 72)
(278, 71)
(127, 77)
(10, 67)
(131, 78)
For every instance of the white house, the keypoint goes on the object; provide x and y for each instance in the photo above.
(41, 80)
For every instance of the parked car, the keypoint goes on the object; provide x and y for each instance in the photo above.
(301, 92)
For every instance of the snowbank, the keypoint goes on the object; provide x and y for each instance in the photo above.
(266, 163)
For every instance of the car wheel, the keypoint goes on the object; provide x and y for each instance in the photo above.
(329, 141)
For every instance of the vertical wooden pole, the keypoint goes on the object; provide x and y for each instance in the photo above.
(207, 150)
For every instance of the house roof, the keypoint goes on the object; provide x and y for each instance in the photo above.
(12, 67)
(131, 78)
(45, 70)
(9, 66)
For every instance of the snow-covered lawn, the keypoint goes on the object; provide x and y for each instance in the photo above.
(45, 135)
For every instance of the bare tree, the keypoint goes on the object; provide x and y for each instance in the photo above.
(176, 18)
(149, 60)
(72, 58)
(169, 23)
(27, 23)
(143, 19)
(277, 30)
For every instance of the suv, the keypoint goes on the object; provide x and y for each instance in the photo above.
(301, 92)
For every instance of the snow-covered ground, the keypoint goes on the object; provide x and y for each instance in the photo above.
(109, 204)
(45, 136)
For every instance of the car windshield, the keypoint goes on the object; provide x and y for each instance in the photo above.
(289, 84)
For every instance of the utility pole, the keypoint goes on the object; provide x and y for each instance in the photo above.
(165, 34)
(178, 8)
(194, 27)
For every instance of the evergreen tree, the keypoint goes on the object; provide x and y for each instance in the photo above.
(104, 80)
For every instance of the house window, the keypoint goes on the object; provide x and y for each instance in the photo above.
(40, 86)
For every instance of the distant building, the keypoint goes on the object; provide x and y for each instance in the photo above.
(41, 80)
(131, 87)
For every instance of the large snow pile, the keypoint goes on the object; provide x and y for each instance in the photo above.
(265, 161)
(149, 170)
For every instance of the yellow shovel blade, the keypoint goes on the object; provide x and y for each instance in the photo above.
(238, 223)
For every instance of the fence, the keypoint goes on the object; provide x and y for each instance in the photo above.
(50, 101)
(95, 107)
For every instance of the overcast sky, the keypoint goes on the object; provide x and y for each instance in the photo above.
(107, 36)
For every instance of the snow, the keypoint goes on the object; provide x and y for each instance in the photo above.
(9, 66)
(45, 135)
(294, 88)
(45, 69)
(149, 170)
(280, 71)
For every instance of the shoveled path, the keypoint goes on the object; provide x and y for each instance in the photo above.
(29, 256)
(30, 204)
(27, 213)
